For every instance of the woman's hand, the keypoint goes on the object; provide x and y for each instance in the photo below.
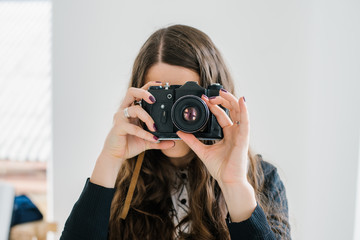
(227, 159)
(127, 138)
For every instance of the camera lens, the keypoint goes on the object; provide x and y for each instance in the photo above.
(190, 114)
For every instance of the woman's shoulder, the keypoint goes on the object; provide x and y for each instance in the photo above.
(266, 166)
(270, 173)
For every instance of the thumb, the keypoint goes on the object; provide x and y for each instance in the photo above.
(164, 144)
(197, 146)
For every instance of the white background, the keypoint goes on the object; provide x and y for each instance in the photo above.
(297, 63)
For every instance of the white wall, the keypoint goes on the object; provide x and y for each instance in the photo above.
(297, 63)
(357, 208)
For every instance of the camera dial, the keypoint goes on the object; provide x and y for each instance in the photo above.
(216, 86)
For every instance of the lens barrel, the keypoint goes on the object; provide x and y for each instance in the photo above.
(190, 113)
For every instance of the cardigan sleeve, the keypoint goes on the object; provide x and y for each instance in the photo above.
(89, 218)
(259, 225)
(276, 194)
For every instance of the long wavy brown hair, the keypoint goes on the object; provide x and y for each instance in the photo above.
(149, 217)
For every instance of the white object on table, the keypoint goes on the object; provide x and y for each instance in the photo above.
(7, 195)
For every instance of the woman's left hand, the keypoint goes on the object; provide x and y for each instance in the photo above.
(226, 160)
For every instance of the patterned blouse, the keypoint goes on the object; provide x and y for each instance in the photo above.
(180, 200)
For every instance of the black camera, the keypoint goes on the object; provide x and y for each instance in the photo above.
(180, 107)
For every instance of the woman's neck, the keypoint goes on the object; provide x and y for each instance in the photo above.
(182, 162)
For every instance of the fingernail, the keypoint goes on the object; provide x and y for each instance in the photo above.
(158, 82)
(223, 90)
(152, 99)
(155, 128)
(213, 97)
(204, 96)
(174, 144)
(156, 138)
(244, 98)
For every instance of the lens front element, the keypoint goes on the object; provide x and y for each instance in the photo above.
(190, 114)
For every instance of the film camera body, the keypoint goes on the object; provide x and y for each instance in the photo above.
(180, 107)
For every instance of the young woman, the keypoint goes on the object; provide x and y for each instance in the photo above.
(186, 189)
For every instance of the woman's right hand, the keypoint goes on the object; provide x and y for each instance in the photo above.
(127, 138)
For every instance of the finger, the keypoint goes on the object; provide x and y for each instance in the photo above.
(148, 85)
(235, 109)
(244, 116)
(221, 116)
(128, 128)
(225, 103)
(151, 83)
(198, 147)
(139, 112)
(161, 145)
(136, 93)
(220, 101)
